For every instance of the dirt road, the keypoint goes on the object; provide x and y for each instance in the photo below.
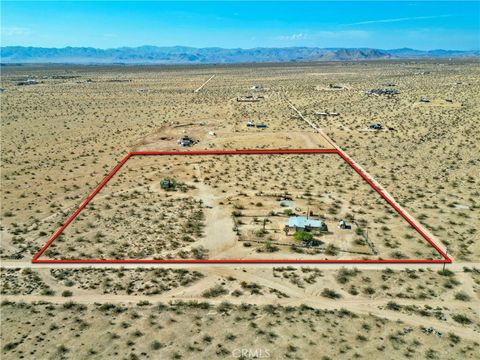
(205, 83)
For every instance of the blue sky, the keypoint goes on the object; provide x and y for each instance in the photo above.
(386, 25)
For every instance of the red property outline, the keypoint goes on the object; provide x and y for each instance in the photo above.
(446, 258)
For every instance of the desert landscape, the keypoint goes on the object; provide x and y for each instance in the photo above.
(410, 126)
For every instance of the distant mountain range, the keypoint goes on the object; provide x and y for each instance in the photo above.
(189, 55)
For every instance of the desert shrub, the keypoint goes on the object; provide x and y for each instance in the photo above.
(391, 305)
(253, 287)
(369, 290)
(215, 291)
(328, 293)
(462, 296)
(462, 319)
(331, 250)
(236, 293)
(344, 275)
(67, 293)
(269, 247)
(454, 338)
(446, 272)
(47, 292)
(156, 345)
(207, 339)
(10, 346)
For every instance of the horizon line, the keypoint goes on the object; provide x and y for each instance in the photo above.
(234, 48)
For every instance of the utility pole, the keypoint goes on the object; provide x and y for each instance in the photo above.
(446, 252)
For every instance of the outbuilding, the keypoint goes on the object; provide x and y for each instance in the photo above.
(376, 126)
(186, 141)
(342, 224)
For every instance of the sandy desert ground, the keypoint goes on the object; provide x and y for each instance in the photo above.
(62, 136)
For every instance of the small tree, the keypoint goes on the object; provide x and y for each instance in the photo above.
(301, 236)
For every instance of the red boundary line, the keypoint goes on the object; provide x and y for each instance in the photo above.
(446, 258)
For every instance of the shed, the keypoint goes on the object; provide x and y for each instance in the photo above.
(167, 184)
(376, 126)
(185, 141)
(342, 224)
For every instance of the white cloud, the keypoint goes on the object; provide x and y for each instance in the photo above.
(15, 31)
(398, 19)
(292, 37)
(319, 35)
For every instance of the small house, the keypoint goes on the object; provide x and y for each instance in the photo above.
(261, 126)
(299, 223)
(250, 124)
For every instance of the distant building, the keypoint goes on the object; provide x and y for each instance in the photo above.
(375, 126)
(336, 86)
(186, 141)
(167, 184)
(324, 113)
(388, 92)
(249, 98)
(27, 82)
(299, 223)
